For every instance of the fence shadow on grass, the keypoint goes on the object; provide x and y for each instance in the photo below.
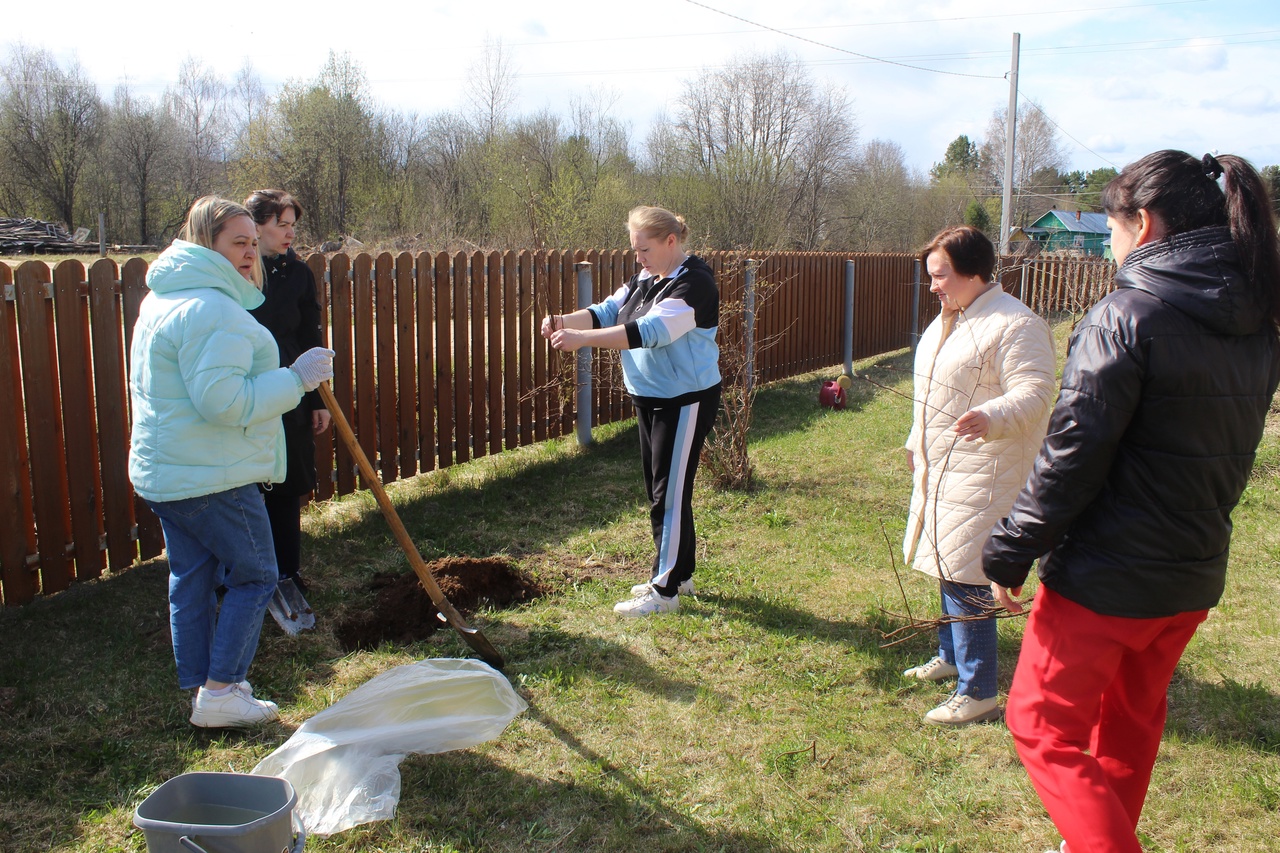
(515, 510)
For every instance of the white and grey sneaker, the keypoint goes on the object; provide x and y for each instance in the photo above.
(647, 603)
(935, 670)
(962, 710)
(234, 709)
(685, 588)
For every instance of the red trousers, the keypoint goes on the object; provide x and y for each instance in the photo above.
(1087, 710)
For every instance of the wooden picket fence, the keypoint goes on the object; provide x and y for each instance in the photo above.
(439, 360)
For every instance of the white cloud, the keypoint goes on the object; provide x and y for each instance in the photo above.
(1248, 101)
(1201, 55)
(1124, 89)
(533, 29)
(1105, 143)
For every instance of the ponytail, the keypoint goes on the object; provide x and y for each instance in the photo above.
(1253, 229)
(1185, 193)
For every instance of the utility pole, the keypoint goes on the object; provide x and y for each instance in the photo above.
(1010, 135)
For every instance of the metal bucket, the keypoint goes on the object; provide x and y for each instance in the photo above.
(221, 813)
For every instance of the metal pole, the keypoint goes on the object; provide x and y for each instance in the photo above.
(915, 304)
(1022, 289)
(102, 235)
(749, 323)
(1010, 136)
(848, 318)
(586, 413)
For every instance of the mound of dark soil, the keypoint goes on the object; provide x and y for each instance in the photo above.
(402, 612)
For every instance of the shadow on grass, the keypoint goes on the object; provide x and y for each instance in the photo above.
(792, 404)
(517, 510)
(865, 635)
(472, 802)
(558, 656)
(1225, 712)
(91, 715)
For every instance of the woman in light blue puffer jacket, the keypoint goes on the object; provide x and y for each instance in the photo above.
(208, 391)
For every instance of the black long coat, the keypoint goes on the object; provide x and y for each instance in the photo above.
(292, 314)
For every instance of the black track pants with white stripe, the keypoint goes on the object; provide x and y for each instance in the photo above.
(671, 439)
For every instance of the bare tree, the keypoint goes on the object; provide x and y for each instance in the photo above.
(748, 136)
(491, 89)
(51, 123)
(198, 105)
(879, 203)
(606, 139)
(247, 102)
(825, 165)
(142, 140)
(1037, 154)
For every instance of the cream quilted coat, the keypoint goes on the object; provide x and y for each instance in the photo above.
(996, 356)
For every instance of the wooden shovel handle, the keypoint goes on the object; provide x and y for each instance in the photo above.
(471, 635)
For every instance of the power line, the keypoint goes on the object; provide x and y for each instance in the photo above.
(864, 24)
(841, 49)
(1063, 130)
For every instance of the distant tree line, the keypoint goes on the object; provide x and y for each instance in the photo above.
(756, 154)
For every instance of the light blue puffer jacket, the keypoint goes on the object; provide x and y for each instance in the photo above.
(206, 382)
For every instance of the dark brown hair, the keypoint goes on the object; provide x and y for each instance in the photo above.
(266, 205)
(1183, 191)
(970, 251)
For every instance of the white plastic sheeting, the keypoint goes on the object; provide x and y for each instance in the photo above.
(345, 761)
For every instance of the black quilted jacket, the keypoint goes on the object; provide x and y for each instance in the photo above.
(1164, 393)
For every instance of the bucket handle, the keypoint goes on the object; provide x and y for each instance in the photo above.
(299, 842)
(301, 837)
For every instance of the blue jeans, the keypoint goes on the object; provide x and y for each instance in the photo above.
(223, 539)
(969, 646)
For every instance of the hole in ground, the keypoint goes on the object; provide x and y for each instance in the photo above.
(402, 612)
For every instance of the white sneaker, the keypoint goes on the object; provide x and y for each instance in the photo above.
(234, 709)
(963, 710)
(685, 588)
(935, 670)
(647, 603)
(243, 686)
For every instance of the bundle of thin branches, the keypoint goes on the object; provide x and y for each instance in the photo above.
(916, 627)
(725, 453)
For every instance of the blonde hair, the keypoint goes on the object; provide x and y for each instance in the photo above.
(657, 222)
(205, 221)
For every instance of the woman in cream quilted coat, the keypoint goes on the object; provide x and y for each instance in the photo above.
(984, 384)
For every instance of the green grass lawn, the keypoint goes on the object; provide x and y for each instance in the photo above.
(765, 715)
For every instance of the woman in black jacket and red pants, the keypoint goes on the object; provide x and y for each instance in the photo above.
(291, 313)
(1164, 395)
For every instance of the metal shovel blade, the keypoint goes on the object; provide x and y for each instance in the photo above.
(290, 608)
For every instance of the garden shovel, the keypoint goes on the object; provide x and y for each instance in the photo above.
(447, 613)
(290, 609)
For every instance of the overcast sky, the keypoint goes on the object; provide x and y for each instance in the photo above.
(1119, 78)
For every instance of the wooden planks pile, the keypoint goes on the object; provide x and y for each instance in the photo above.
(28, 236)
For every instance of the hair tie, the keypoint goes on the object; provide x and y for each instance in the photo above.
(1212, 168)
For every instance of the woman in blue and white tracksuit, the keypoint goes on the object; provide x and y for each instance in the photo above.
(663, 321)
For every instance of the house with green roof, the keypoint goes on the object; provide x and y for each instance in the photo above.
(1071, 231)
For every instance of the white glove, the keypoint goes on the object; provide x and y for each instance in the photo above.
(313, 367)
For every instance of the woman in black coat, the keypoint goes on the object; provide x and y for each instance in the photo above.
(292, 314)
(1164, 398)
